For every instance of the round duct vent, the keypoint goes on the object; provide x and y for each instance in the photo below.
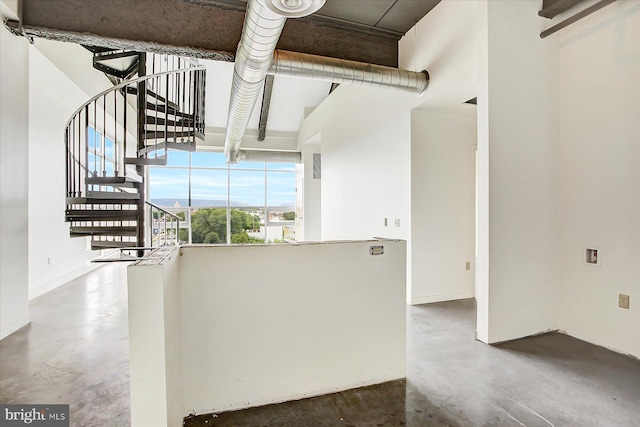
(294, 8)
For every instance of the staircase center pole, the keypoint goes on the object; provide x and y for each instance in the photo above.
(142, 108)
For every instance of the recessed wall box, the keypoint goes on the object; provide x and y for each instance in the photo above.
(592, 256)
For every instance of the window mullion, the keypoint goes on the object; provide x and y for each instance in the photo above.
(228, 204)
(189, 203)
(266, 212)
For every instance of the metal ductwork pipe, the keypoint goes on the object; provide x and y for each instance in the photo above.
(270, 156)
(263, 25)
(256, 57)
(302, 65)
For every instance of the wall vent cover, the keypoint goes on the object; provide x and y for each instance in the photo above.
(316, 166)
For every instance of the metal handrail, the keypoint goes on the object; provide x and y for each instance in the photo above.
(166, 212)
(127, 83)
(110, 139)
(178, 92)
(171, 234)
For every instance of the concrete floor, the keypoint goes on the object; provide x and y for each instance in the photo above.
(453, 380)
(75, 351)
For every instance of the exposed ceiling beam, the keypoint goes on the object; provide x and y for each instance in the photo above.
(575, 18)
(208, 27)
(88, 39)
(551, 8)
(266, 102)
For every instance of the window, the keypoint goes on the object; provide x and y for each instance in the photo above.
(209, 225)
(250, 202)
(246, 188)
(209, 188)
(101, 154)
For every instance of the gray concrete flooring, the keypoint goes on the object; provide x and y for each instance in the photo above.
(76, 351)
(453, 380)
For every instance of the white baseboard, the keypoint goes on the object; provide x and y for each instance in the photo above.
(9, 329)
(45, 287)
(426, 299)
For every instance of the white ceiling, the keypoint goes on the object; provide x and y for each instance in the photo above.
(289, 98)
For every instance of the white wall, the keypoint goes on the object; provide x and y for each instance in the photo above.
(207, 334)
(311, 191)
(442, 203)
(54, 258)
(557, 161)
(558, 171)
(14, 141)
(333, 319)
(76, 63)
(155, 341)
(445, 43)
(173, 338)
(598, 183)
(516, 160)
(482, 179)
(147, 358)
(492, 50)
(366, 165)
(365, 134)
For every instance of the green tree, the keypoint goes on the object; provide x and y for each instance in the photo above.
(209, 226)
(240, 223)
(243, 237)
(184, 235)
(289, 216)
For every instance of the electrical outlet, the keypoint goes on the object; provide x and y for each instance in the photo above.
(467, 266)
(623, 301)
(386, 222)
(397, 222)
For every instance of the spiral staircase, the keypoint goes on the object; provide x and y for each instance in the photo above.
(155, 105)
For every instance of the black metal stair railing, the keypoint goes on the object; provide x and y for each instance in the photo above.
(164, 226)
(115, 134)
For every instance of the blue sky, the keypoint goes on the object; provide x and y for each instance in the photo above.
(247, 180)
